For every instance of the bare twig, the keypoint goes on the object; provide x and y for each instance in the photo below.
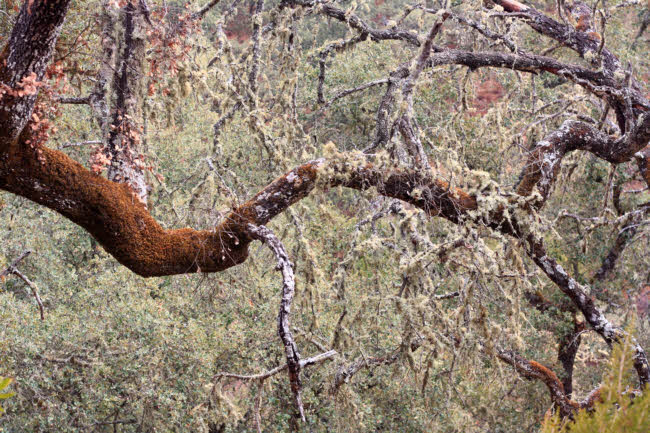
(32, 286)
(306, 362)
(80, 143)
(204, 10)
(13, 270)
(13, 265)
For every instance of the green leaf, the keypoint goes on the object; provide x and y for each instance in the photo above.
(5, 382)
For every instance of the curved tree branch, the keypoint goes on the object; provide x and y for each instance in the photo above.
(288, 289)
(545, 159)
(535, 370)
(357, 23)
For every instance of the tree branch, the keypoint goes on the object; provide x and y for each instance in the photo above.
(305, 362)
(24, 60)
(13, 270)
(535, 370)
(357, 23)
(288, 289)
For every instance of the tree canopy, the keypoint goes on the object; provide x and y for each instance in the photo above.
(455, 196)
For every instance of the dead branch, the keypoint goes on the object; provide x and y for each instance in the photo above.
(305, 362)
(13, 264)
(288, 288)
(79, 144)
(357, 23)
(328, 51)
(13, 270)
(345, 373)
(204, 10)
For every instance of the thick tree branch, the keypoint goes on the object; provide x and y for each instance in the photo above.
(24, 60)
(535, 370)
(578, 38)
(125, 134)
(643, 162)
(111, 213)
(597, 82)
(545, 160)
(581, 38)
(566, 354)
(580, 298)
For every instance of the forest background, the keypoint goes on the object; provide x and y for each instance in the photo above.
(424, 314)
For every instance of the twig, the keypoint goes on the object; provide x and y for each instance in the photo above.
(15, 263)
(201, 12)
(32, 286)
(80, 143)
(13, 270)
(265, 375)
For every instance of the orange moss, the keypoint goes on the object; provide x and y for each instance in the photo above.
(548, 376)
(111, 214)
(122, 225)
(592, 399)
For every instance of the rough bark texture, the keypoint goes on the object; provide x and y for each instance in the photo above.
(24, 60)
(545, 160)
(113, 214)
(125, 135)
(288, 290)
(580, 37)
(567, 350)
(535, 370)
(98, 98)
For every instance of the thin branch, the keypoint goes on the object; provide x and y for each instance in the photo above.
(13, 265)
(82, 100)
(345, 373)
(305, 362)
(357, 23)
(288, 289)
(80, 143)
(204, 10)
(347, 92)
(34, 291)
(325, 53)
(13, 270)
(535, 370)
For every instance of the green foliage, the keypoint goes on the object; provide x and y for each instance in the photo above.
(146, 351)
(4, 383)
(621, 408)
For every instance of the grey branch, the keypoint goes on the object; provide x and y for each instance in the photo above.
(288, 289)
(74, 100)
(204, 10)
(265, 375)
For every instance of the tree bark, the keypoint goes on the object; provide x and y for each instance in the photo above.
(124, 145)
(24, 61)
